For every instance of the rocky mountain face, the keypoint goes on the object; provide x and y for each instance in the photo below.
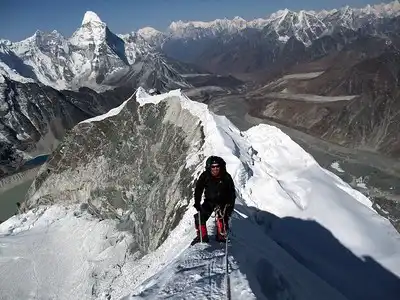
(131, 166)
(353, 102)
(371, 122)
(93, 57)
(34, 117)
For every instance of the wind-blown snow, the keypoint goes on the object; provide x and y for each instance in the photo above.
(277, 183)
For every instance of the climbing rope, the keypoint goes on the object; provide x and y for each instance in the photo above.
(200, 233)
(221, 214)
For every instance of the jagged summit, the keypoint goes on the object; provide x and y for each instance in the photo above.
(91, 17)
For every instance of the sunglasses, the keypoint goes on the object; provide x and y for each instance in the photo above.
(214, 166)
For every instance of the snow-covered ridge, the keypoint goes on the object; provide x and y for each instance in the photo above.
(281, 166)
(272, 174)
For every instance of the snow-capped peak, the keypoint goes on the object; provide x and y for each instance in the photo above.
(91, 17)
(93, 30)
(31, 39)
(323, 13)
(305, 26)
(280, 14)
(239, 21)
(148, 32)
(346, 8)
(5, 42)
(236, 23)
(383, 9)
(176, 25)
(40, 35)
(196, 28)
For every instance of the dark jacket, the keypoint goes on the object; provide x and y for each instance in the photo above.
(219, 191)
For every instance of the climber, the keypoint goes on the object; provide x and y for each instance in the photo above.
(219, 196)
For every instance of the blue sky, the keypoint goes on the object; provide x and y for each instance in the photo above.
(21, 18)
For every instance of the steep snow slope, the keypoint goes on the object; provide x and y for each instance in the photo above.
(298, 232)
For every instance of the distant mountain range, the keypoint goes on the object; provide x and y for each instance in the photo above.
(97, 58)
(240, 46)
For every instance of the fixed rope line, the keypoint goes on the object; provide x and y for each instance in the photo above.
(200, 232)
(227, 279)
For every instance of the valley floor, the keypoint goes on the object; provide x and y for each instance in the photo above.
(12, 190)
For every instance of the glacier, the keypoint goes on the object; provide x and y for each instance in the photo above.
(298, 231)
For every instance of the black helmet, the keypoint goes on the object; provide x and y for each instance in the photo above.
(215, 160)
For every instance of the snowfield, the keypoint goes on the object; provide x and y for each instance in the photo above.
(298, 232)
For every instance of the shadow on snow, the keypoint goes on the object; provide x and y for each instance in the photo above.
(311, 245)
